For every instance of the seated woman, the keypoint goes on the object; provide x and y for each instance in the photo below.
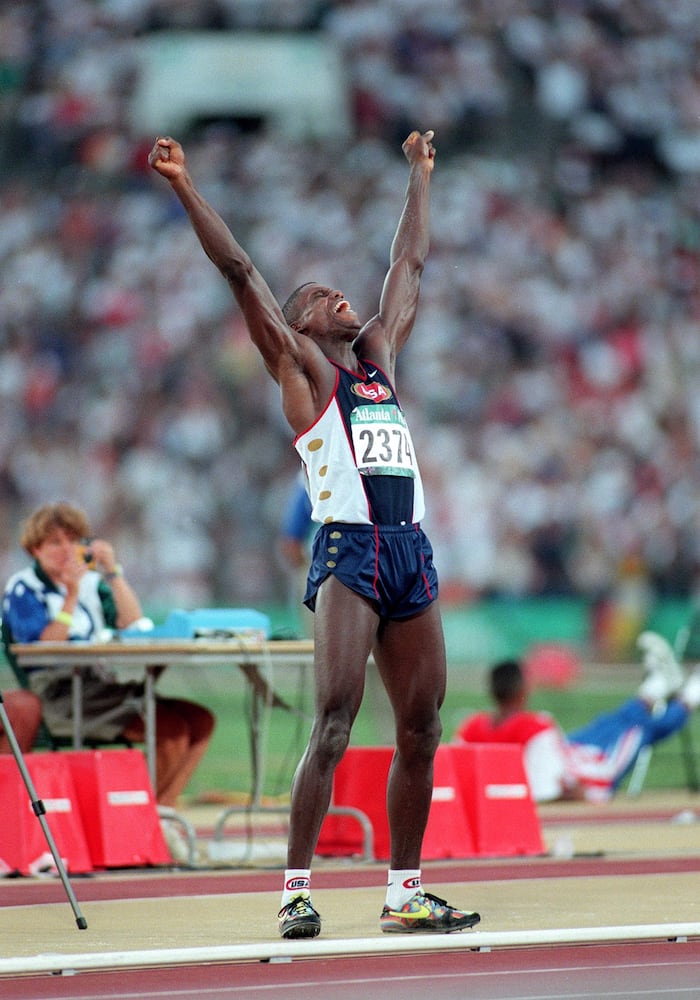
(75, 591)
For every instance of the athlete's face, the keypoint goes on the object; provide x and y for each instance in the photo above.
(324, 310)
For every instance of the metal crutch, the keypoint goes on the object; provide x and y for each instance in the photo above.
(40, 813)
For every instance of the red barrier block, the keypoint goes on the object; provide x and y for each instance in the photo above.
(118, 808)
(500, 809)
(448, 833)
(481, 804)
(23, 844)
(360, 782)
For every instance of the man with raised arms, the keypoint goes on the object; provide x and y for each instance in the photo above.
(372, 583)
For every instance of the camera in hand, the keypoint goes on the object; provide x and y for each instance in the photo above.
(86, 553)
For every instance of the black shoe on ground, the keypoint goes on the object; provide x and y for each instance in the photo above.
(298, 919)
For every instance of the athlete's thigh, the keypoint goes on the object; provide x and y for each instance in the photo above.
(410, 656)
(345, 624)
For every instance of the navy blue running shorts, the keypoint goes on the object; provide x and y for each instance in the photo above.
(391, 565)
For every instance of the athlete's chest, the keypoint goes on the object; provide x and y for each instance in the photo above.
(375, 424)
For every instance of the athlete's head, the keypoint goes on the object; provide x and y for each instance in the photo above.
(507, 682)
(291, 308)
(319, 311)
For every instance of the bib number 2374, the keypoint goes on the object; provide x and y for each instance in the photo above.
(382, 441)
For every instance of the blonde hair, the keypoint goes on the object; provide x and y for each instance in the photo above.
(47, 518)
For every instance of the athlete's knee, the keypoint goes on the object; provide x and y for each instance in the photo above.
(330, 737)
(419, 740)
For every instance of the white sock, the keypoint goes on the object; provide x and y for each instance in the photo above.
(653, 688)
(690, 692)
(297, 881)
(401, 886)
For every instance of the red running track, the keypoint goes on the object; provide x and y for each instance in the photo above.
(658, 970)
(18, 892)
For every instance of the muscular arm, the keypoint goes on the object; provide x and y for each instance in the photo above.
(293, 361)
(266, 325)
(388, 331)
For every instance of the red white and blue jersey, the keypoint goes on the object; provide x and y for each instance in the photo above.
(594, 758)
(545, 749)
(358, 455)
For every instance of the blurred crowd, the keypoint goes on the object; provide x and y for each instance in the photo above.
(553, 378)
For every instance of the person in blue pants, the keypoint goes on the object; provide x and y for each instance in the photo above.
(590, 762)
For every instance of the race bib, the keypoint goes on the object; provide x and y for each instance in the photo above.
(382, 441)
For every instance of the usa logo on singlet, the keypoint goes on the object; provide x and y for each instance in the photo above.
(374, 392)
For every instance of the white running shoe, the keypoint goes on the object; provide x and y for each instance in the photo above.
(663, 672)
(176, 841)
(690, 692)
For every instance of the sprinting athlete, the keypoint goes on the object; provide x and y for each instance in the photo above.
(372, 583)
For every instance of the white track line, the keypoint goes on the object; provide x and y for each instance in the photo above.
(320, 947)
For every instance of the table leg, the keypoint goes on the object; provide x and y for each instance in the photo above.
(150, 721)
(256, 771)
(77, 695)
(262, 697)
